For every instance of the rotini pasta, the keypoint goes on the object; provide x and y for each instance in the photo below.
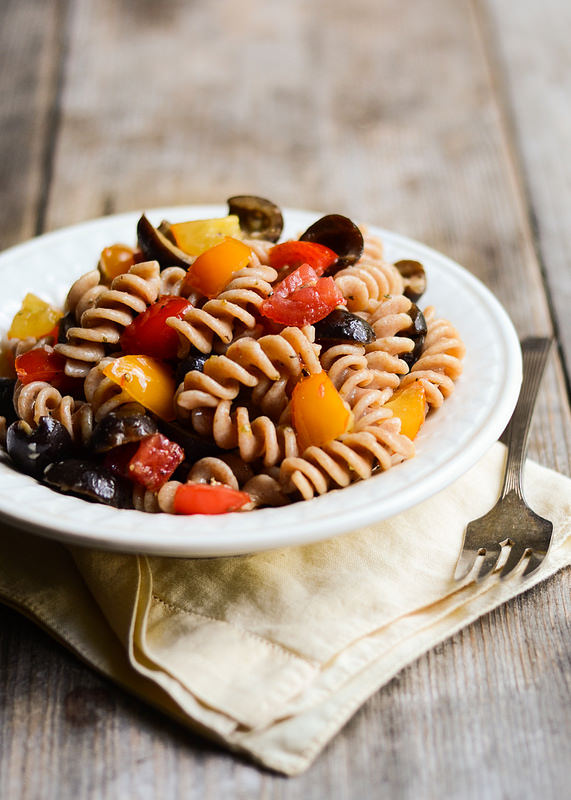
(38, 399)
(239, 390)
(440, 363)
(105, 314)
(235, 307)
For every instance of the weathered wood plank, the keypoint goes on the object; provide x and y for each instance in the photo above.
(388, 116)
(31, 49)
(530, 45)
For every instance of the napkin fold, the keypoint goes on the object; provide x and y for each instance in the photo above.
(271, 653)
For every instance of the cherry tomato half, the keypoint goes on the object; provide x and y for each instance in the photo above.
(206, 498)
(149, 333)
(302, 298)
(116, 260)
(293, 254)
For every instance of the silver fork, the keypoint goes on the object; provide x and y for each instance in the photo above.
(511, 522)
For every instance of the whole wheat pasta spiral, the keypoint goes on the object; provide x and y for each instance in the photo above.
(257, 438)
(389, 318)
(369, 280)
(352, 456)
(365, 389)
(235, 306)
(440, 363)
(272, 357)
(38, 399)
(102, 323)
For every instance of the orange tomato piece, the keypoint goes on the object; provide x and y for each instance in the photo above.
(147, 380)
(198, 235)
(409, 405)
(116, 260)
(318, 411)
(214, 268)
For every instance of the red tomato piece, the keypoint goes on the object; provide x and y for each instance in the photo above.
(149, 462)
(206, 498)
(293, 254)
(302, 298)
(149, 334)
(155, 461)
(43, 364)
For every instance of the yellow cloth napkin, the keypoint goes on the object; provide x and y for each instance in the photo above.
(272, 653)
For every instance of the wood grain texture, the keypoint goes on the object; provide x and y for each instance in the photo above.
(31, 47)
(417, 120)
(532, 64)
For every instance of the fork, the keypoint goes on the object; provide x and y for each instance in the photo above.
(526, 533)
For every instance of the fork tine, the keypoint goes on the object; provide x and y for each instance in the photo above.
(489, 562)
(466, 561)
(535, 560)
(516, 554)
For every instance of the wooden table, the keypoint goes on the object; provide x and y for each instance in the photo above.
(445, 120)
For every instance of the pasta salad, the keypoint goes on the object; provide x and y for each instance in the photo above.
(212, 367)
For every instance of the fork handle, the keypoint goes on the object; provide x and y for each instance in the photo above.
(535, 351)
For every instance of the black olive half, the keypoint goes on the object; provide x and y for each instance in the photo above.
(414, 277)
(90, 481)
(341, 235)
(416, 332)
(194, 361)
(155, 246)
(115, 430)
(343, 326)
(7, 399)
(259, 218)
(32, 449)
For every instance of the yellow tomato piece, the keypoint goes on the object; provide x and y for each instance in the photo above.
(116, 260)
(409, 405)
(318, 411)
(198, 235)
(212, 270)
(35, 318)
(147, 380)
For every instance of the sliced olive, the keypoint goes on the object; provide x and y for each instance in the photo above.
(343, 326)
(90, 481)
(155, 246)
(194, 361)
(259, 218)
(115, 430)
(341, 235)
(416, 332)
(414, 278)
(32, 449)
(7, 399)
(194, 446)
